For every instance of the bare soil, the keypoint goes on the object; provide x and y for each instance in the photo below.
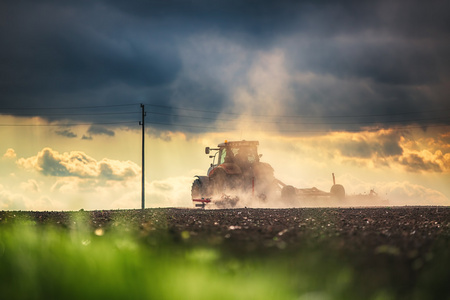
(404, 230)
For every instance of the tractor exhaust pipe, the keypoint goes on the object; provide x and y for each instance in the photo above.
(334, 179)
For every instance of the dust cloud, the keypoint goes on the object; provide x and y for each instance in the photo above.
(176, 192)
(247, 200)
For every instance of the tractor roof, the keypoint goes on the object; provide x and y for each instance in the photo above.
(239, 143)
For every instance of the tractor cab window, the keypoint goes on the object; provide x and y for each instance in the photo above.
(243, 155)
(223, 154)
(246, 155)
(226, 156)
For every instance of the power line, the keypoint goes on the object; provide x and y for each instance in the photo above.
(288, 130)
(210, 127)
(204, 111)
(300, 116)
(202, 117)
(67, 107)
(303, 123)
(78, 114)
(66, 124)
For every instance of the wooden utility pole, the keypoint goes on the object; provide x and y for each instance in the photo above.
(142, 122)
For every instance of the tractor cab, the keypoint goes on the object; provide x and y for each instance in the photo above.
(243, 154)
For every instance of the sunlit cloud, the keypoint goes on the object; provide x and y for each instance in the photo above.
(31, 185)
(78, 164)
(429, 154)
(387, 148)
(10, 154)
(10, 200)
(13, 200)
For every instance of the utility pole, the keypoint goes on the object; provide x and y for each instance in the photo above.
(142, 122)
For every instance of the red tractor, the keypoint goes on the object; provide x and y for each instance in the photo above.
(237, 170)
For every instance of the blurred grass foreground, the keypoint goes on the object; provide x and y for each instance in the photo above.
(130, 260)
(46, 262)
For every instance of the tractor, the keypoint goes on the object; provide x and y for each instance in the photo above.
(236, 170)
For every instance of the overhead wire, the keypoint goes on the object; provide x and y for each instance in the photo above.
(298, 116)
(66, 107)
(66, 124)
(77, 114)
(180, 114)
(208, 111)
(19, 113)
(302, 123)
(295, 130)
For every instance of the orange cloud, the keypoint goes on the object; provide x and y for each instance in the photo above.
(426, 154)
(390, 148)
(414, 163)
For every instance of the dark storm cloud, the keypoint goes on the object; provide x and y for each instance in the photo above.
(366, 57)
(416, 163)
(97, 130)
(384, 61)
(66, 133)
(382, 146)
(74, 47)
(100, 130)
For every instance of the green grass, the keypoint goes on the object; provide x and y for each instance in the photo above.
(41, 262)
(79, 262)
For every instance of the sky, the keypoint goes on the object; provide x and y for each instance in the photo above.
(356, 88)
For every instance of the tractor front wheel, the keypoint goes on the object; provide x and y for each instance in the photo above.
(196, 189)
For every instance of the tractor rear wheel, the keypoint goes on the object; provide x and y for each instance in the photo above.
(219, 180)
